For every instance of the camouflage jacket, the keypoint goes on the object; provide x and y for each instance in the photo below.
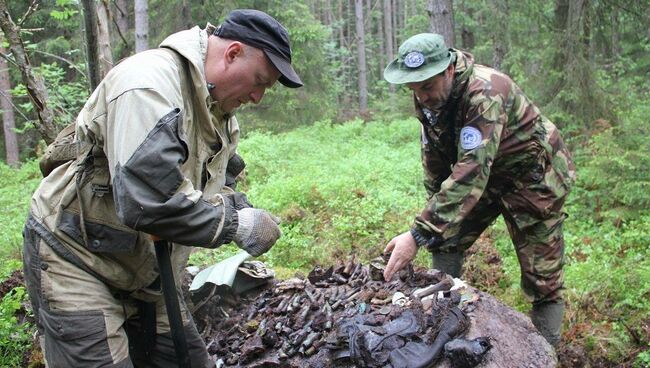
(489, 140)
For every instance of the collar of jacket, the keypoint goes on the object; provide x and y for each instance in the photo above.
(464, 69)
(192, 44)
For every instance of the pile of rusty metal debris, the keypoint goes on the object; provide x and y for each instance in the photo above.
(343, 316)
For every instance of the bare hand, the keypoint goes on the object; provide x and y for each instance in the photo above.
(403, 250)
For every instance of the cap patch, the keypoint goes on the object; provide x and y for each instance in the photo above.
(470, 138)
(414, 59)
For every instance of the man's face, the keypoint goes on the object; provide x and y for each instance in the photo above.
(434, 92)
(247, 75)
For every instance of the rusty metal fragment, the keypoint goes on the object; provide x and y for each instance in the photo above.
(297, 322)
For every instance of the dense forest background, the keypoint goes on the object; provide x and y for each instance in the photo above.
(338, 159)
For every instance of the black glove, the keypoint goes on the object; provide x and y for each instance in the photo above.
(235, 167)
(237, 200)
(429, 241)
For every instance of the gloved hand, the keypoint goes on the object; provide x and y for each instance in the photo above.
(237, 200)
(257, 231)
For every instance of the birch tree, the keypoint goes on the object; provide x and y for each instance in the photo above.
(104, 38)
(361, 57)
(141, 25)
(8, 120)
(388, 36)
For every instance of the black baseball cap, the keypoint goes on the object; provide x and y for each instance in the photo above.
(260, 30)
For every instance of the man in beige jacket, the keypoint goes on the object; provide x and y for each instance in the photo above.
(156, 156)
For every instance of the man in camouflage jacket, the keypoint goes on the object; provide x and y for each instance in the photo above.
(157, 146)
(486, 151)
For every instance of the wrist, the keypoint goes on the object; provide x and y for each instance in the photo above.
(245, 224)
(421, 240)
(426, 239)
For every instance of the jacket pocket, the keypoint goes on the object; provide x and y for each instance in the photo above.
(100, 237)
(103, 229)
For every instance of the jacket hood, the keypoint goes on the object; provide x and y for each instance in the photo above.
(464, 69)
(192, 44)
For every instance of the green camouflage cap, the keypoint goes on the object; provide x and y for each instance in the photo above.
(420, 58)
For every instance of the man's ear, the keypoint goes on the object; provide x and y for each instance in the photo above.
(234, 50)
(451, 68)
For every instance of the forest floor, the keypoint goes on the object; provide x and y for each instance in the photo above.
(483, 270)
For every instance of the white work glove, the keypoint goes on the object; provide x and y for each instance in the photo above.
(257, 231)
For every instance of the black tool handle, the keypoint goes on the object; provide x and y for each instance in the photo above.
(171, 302)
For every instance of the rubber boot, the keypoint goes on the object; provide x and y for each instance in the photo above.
(449, 263)
(547, 318)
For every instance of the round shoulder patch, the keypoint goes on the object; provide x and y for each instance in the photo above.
(470, 138)
(414, 59)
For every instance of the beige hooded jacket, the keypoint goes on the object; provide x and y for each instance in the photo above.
(157, 163)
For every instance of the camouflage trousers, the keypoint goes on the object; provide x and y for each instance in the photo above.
(84, 323)
(539, 246)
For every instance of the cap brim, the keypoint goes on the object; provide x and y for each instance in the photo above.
(397, 74)
(289, 77)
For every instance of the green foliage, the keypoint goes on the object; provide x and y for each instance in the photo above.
(65, 10)
(642, 360)
(349, 188)
(614, 180)
(339, 189)
(15, 338)
(66, 99)
(285, 108)
(16, 187)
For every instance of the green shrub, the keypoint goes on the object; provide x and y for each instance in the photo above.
(15, 338)
(339, 189)
(16, 188)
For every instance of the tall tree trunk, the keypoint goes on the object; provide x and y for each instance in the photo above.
(500, 33)
(104, 38)
(380, 37)
(441, 20)
(393, 16)
(615, 48)
(399, 16)
(186, 15)
(367, 21)
(586, 35)
(34, 83)
(560, 22)
(141, 25)
(388, 36)
(92, 55)
(361, 58)
(342, 98)
(121, 15)
(405, 13)
(328, 12)
(8, 120)
(467, 34)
